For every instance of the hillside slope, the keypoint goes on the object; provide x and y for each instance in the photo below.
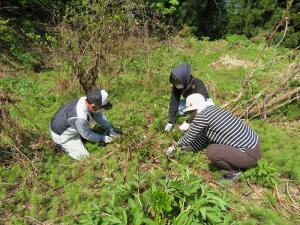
(131, 179)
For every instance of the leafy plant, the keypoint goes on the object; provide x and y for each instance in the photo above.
(185, 200)
(160, 200)
(162, 8)
(196, 202)
(235, 40)
(92, 217)
(265, 174)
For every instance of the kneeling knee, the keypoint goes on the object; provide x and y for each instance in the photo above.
(212, 153)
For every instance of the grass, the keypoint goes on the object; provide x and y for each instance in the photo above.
(61, 190)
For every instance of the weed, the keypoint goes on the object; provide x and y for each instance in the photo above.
(264, 174)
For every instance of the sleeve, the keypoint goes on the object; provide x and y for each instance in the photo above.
(200, 88)
(101, 119)
(200, 142)
(82, 127)
(196, 129)
(174, 103)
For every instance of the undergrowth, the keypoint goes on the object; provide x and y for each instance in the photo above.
(131, 181)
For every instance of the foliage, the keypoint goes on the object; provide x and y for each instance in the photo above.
(204, 18)
(27, 89)
(251, 18)
(21, 33)
(185, 200)
(265, 174)
(163, 9)
(11, 42)
(91, 33)
(122, 174)
(235, 40)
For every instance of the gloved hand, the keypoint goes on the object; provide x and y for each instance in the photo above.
(210, 101)
(176, 147)
(184, 127)
(170, 150)
(106, 139)
(113, 133)
(168, 126)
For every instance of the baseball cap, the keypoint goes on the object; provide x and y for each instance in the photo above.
(99, 98)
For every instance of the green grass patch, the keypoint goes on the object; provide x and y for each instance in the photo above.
(131, 180)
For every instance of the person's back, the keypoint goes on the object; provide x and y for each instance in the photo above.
(222, 127)
(230, 143)
(195, 86)
(59, 122)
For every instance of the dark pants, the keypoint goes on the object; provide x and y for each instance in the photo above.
(230, 158)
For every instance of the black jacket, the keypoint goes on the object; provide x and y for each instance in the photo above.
(191, 85)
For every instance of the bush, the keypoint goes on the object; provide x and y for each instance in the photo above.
(235, 40)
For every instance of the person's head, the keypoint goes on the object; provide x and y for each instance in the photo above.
(196, 103)
(97, 99)
(180, 75)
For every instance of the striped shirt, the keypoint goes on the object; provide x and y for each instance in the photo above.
(218, 126)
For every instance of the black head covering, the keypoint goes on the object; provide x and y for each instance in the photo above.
(181, 73)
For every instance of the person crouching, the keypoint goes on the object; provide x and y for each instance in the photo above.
(230, 143)
(72, 122)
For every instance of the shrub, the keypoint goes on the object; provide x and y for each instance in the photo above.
(235, 40)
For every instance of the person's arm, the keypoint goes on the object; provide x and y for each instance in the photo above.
(174, 103)
(82, 127)
(201, 142)
(101, 119)
(194, 131)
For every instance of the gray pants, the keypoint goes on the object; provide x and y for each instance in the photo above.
(230, 158)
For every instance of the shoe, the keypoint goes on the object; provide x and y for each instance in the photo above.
(231, 177)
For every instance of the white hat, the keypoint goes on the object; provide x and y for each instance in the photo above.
(105, 103)
(196, 102)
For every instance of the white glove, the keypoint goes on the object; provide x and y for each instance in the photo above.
(184, 127)
(210, 101)
(113, 133)
(106, 139)
(170, 150)
(168, 126)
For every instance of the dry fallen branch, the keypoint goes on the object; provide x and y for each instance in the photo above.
(273, 100)
(295, 71)
(282, 204)
(245, 84)
(270, 106)
(288, 193)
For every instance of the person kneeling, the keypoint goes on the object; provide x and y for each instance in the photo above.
(230, 144)
(183, 84)
(72, 122)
